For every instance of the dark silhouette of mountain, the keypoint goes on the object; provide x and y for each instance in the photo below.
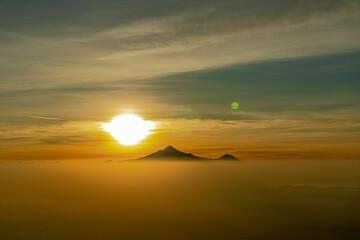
(228, 157)
(171, 153)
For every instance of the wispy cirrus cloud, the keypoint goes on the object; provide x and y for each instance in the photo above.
(219, 22)
(207, 36)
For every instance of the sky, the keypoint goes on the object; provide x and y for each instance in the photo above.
(66, 67)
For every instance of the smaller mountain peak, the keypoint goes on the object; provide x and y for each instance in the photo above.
(227, 157)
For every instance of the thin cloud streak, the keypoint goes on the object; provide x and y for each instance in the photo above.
(46, 118)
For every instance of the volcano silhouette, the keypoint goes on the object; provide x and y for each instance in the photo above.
(227, 157)
(171, 153)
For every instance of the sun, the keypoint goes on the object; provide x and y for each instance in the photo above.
(129, 129)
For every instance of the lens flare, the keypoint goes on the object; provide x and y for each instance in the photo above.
(235, 105)
(129, 129)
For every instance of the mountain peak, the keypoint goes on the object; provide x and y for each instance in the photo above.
(171, 152)
(227, 157)
(170, 148)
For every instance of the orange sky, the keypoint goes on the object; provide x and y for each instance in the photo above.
(291, 66)
(208, 138)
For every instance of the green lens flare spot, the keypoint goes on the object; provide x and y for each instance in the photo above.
(235, 105)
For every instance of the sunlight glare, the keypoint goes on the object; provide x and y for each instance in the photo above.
(129, 129)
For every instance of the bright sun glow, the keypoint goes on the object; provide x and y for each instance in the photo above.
(129, 129)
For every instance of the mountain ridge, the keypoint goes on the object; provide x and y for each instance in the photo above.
(171, 153)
